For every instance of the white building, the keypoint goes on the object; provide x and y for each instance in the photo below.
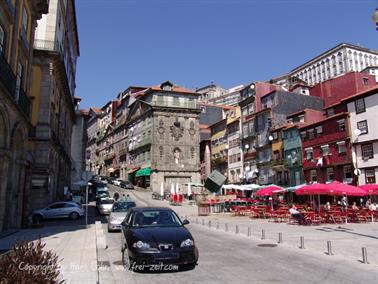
(372, 70)
(332, 63)
(363, 109)
(235, 153)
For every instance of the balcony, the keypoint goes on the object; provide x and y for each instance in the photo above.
(7, 77)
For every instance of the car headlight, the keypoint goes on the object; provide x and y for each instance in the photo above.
(141, 245)
(187, 243)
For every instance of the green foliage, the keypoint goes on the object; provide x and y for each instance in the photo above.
(28, 263)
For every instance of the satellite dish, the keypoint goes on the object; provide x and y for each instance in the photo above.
(247, 168)
(357, 132)
(252, 87)
(270, 138)
(246, 146)
(226, 146)
(256, 171)
(357, 172)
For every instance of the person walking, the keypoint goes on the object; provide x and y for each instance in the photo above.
(116, 196)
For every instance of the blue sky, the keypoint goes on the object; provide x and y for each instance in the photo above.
(195, 42)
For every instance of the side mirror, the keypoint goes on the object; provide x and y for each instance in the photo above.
(185, 222)
(125, 224)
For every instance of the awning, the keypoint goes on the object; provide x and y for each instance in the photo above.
(143, 172)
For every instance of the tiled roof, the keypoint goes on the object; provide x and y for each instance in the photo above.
(369, 91)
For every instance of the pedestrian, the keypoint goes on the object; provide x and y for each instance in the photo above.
(368, 202)
(123, 197)
(127, 197)
(344, 203)
(116, 196)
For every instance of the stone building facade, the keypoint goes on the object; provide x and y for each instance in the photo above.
(56, 49)
(163, 137)
(18, 21)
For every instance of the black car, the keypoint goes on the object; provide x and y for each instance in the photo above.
(156, 235)
(126, 184)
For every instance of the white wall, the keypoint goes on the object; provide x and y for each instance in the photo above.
(371, 115)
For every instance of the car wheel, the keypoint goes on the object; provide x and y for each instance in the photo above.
(74, 216)
(37, 219)
(126, 259)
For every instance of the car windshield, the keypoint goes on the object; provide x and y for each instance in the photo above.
(155, 218)
(99, 192)
(122, 206)
(107, 201)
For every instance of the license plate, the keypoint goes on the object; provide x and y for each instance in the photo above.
(170, 255)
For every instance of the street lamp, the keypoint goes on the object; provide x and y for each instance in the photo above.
(375, 18)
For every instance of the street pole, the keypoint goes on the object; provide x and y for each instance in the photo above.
(86, 207)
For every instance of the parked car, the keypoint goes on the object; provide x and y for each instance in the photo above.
(154, 236)
(67, 209)
(118, 214)
(117, 182)
(126, 184)
(104, 205)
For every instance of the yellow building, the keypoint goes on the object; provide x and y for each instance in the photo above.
(18, 20)
(281, 174)
(219, 155)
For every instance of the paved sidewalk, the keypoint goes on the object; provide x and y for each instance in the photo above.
(347, 240)
(74, 245)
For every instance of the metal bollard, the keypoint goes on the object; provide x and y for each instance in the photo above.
(302, 243)
(364, 256)
(236, 229)
(280, 238)
(263, 234)
(226, 227)
(329, 248)
(249, 233)
(217, 225)
(203, 222)
(209, 223)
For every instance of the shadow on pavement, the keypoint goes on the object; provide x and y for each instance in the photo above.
(51, 229)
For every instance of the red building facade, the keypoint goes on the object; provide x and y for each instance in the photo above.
(334, 90)
(326, 150)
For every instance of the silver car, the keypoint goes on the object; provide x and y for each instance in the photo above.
(118, 214)
(104, 205)
(64, 209)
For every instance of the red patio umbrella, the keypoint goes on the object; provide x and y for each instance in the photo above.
(315, 189)
(342, 188)
(371, 189)
(269, 190)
